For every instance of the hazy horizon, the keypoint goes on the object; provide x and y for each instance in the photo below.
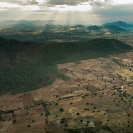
(55, 22)
(67, 12)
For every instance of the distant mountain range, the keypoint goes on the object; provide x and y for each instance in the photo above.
(114, 28)
(23, 22)
(120, 24)
(95, 27)
(78, 26)
(48, 31)
(12, 22)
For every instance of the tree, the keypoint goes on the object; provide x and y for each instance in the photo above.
(77, 113)
(28, 125)
(95, 107)
(14, 121)
(61, 109)
(0, 118)
(63, 120)
(81, 121)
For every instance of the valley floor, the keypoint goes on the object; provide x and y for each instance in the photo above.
(98, 97)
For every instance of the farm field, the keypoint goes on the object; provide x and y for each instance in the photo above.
(97, 98)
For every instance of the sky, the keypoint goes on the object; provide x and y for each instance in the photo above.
(67, 11)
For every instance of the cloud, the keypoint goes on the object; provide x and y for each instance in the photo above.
(50, 3)
(28, 2)
(77, 2)
(8, 5)
(102, 9)
(81, 8)
(65, 2)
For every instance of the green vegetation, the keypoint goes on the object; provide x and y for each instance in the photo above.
(14, 121)
(94, 27)
(28, 125)
(119, 76)
(106, 127)
(87, 129)
(98, 125)
(114, 28)
(25, 77)
(61, 109)
(0, 118)
(37, 65)
(118, 63)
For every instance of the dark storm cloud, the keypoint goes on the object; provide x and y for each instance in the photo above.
(116, 10)
(76, 2)
(65, 2)
(25, 2)
(57, 2)
(33, 2)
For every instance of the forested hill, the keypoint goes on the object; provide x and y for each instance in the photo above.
(26, 65)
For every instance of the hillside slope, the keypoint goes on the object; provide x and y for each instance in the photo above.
(114, 28)
(25, 66)
(94, 27)
(121, 24)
